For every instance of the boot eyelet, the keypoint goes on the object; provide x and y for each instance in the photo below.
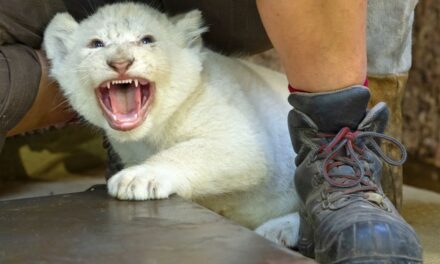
(314, 157)
(325, 204)
(315, 180)
(310, 161)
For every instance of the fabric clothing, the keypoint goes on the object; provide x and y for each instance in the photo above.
(389, 36)
(235, 26)
(21, 31)
(19, 79)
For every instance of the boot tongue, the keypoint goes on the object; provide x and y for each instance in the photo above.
(376, 119)
(331, 111)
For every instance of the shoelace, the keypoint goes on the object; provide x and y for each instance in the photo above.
(347, 139)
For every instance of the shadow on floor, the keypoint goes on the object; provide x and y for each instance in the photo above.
(421, 175)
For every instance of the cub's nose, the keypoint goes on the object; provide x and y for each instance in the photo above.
(120, 66)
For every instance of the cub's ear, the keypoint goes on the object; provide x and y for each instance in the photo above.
(58, 37)
(191, 25)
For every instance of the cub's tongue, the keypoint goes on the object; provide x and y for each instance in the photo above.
(125, 101)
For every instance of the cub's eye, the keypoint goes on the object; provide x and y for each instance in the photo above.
(147, 39)
(96, 43)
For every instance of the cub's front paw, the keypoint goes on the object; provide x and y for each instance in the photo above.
(140, 183)
(282, 230)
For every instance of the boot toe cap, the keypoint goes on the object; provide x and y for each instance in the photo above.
(376, 239)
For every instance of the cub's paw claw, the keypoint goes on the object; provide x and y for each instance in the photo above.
(139, 183)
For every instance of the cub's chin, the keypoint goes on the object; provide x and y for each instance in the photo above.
(125, 103)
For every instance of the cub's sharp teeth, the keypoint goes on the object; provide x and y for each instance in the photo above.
(136, 82)
(127, 81)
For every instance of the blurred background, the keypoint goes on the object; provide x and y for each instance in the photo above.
(421, 105)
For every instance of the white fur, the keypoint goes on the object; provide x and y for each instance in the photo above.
(217, 130)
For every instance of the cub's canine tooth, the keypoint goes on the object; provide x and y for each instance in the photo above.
(136, 82)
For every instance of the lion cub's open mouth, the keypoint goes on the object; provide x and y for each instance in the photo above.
(125, 102)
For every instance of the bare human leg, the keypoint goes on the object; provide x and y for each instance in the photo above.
(322, 44)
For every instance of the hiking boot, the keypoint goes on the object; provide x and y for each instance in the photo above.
(345, 216)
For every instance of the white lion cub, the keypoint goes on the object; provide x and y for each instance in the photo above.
(183, 119)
